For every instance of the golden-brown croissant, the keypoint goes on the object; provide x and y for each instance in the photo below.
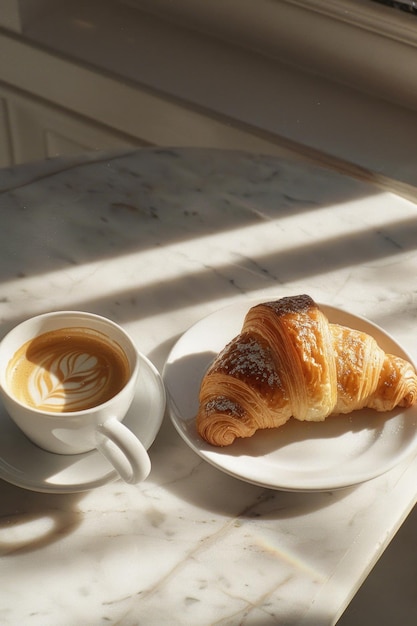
(289, 361)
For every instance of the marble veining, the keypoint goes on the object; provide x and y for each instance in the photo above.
(156, 239)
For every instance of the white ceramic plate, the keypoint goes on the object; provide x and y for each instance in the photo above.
(300, 456)
(25, 465)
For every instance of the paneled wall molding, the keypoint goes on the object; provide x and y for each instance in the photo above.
(329, 80)
(57, 86)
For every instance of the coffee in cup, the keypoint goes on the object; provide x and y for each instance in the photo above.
(68, 369)
(67, 379)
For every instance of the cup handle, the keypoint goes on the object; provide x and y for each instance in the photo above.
(123, 450)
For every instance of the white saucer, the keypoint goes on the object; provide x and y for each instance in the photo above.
(339, 452)
(25, 465)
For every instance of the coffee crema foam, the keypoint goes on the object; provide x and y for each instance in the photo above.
(70, 369)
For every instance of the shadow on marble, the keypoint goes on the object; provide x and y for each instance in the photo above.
(246, 275)
(30, 520)
(243, 276)
(159, 354)
(120, 205)
(115, 205)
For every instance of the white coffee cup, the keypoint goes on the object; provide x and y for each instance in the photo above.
(55, 372)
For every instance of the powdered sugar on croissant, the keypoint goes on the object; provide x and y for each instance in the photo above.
(289, 361)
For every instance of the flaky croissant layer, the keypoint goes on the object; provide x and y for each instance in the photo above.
(289, 361)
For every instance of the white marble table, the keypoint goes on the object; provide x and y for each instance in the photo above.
(156, 239)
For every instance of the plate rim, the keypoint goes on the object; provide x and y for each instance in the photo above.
(210, 455)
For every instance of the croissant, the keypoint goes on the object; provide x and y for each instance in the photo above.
(289, 361)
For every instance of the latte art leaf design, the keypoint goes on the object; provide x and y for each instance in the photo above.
(69, 369)
(71, 379)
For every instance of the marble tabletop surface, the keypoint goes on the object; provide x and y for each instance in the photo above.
(156, 239)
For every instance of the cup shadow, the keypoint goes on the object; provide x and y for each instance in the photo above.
(31, 520)
(33, 512)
